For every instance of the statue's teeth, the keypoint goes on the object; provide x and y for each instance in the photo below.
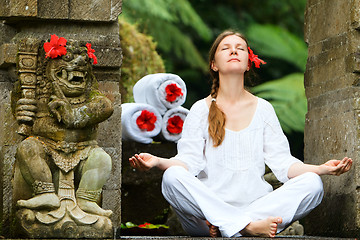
(70, 76)
(64, 74)
(78, 74)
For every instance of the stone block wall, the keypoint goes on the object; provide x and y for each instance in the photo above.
(93, 21)
(332, 128)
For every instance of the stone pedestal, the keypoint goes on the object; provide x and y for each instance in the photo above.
(89, 21)
(332, 81)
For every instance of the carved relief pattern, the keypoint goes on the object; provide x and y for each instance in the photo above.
(58, 108)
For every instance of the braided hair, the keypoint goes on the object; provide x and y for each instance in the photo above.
(217, 117)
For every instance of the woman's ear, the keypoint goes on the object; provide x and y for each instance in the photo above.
(213, 67)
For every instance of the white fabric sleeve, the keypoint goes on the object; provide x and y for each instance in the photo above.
(277, 153)
(192, 142)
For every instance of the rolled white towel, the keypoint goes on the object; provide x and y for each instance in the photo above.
(161, 90)
(140, 122)
(172, 125)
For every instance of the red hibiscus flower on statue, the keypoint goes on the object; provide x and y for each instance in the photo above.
(255, 59)
(90, 53)
(56, 47)
(172, 92)
(146, 120)
(175, 125)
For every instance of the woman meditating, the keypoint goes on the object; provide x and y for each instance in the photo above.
(216, 181)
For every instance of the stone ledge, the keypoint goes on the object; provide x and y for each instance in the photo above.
(208, 238)
(239, 238)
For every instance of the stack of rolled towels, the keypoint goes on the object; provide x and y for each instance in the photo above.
(157, 110)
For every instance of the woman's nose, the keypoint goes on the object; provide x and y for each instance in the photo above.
(233, 52)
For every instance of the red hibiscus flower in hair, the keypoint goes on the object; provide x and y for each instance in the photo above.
(172, 92)
(146, 120)
(255, 59)
(90, 53)
(175, 125)
(56, 47)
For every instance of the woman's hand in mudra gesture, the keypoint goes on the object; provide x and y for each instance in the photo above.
(143, 161)
(336, 167)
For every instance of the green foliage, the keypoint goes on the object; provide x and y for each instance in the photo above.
(287, 95)
(169, 22)
(145, 225)
(276, 42)
(139, 58)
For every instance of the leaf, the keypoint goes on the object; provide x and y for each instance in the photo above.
(287, 95)
(189, 17)
(167, 22)
(274, 41)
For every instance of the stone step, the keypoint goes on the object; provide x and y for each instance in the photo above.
(240, 238)
(208, 238)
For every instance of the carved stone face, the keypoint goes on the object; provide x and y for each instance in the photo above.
(70, 72)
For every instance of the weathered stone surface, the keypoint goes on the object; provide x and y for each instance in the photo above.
(7, 55)
(115, 9)
(99, 10)
(332, 124)
(8, 138)
(110, 57)
(23, 8)
(6, 32)
(88, 10)
(53, 9)
(327, 26)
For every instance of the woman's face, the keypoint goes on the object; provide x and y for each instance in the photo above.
(231, 56)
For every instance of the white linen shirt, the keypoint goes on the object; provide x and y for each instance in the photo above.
(235, 169)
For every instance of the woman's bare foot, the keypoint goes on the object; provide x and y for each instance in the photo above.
(262, 228)
(213, 230)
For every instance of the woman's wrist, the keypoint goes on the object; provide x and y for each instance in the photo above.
(321, 170)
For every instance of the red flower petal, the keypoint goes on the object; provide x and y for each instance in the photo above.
(56, 47)
(144, 225)
(62, 41)
(255, 59)
(172, 92)
(90, 53)
(146, 120)
(175, 125)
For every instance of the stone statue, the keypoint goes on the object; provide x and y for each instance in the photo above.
(58, 107)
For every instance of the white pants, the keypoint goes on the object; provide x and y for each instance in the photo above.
(194, 203)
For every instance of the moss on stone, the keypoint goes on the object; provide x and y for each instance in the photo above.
(139, 58)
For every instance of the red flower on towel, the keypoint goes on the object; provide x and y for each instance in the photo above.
(254, 58)
(146, 120)
(172, 92)
(175, 125)
(90, 53)
(56, 47)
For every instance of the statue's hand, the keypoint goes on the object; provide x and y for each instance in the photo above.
(62, 110)
(25, 110)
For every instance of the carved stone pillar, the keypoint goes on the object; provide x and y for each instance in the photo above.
(86, 21)
(332, 128)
